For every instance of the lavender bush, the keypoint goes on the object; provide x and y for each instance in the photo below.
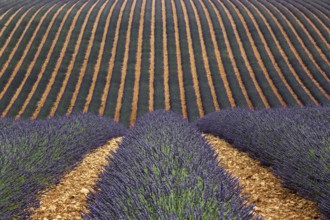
(35, 154)
(165, 169)
(295, 142)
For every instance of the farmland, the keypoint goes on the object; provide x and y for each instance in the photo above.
(125, 58)
(211, 109)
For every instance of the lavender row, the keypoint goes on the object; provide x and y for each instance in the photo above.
(165, 169)
(295, 142)
(35, 154)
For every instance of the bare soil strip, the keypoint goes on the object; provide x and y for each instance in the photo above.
(4, 14)
(271, 56)
(137, 70)
(87, 55)
(245, 58)
(231, 57)
(29, 69)
(272, 200)
(152, 59)
(295, 52)
(2, 49)
(97, 66)
(283, 55)
(111, 61)
(221, 67)
(59, 61)
(205, 59)
(4, 28)
(125, 63)
(73, 58)
(192, 61)
(67, 200)
(310, 56)
(26, 49)
(316, 15)
(165, 60)
(313, 26)
(179, 61)
(43, 68)
(12, 53)
(258, 55)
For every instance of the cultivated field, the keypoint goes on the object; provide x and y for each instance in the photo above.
(125, 58)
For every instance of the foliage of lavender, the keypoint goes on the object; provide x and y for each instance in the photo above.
(34, 154)
(165, 169)
(295, 142)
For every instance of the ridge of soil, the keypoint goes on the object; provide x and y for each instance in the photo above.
(261, 187)
(67, 200)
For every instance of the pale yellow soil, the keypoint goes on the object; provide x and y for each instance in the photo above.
(111, 61)
(137, 70)
(97, 66)
(192, 61)
(265, 190)
(217, 54)
(286, 59)
(87, 54)
(258, 56)
(205, 59)
(231, 54)
(29, 69)
(52, 47)
(271, 56)
(152, 59)
(67, 199)
(125, 65)
(165, 60)
(179, 61)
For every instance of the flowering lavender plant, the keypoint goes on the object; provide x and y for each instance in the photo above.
(295, 142)
(34, 154)
(165, 169)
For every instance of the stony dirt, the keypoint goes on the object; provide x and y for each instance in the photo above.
(265, 190)
(67, 199)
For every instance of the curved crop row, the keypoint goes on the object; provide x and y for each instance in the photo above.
(165, 169)
(35, 154)
(295, 143)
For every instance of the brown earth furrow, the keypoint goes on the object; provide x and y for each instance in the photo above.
(283, 55)
(245, 57)
(70, 67)
(47, 60)
(179, 61)
(205, 59)
(3, 29)
(309, 54)
(111, 61)
(258, 55)
(137, 69)
(124, 66)
(18, 41)
(17, 25)
(192, 61)
(165, 60)
(26, 50)
(67, 200)
(232, 57)
(270, 54)
(83, 68)
(272, 200)
(51, 81)
(97, 66)
(29, 69)
(152, 59)
(4, 14)
(221, 67)
(294, 50)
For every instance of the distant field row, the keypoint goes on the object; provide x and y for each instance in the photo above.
(125, 58)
